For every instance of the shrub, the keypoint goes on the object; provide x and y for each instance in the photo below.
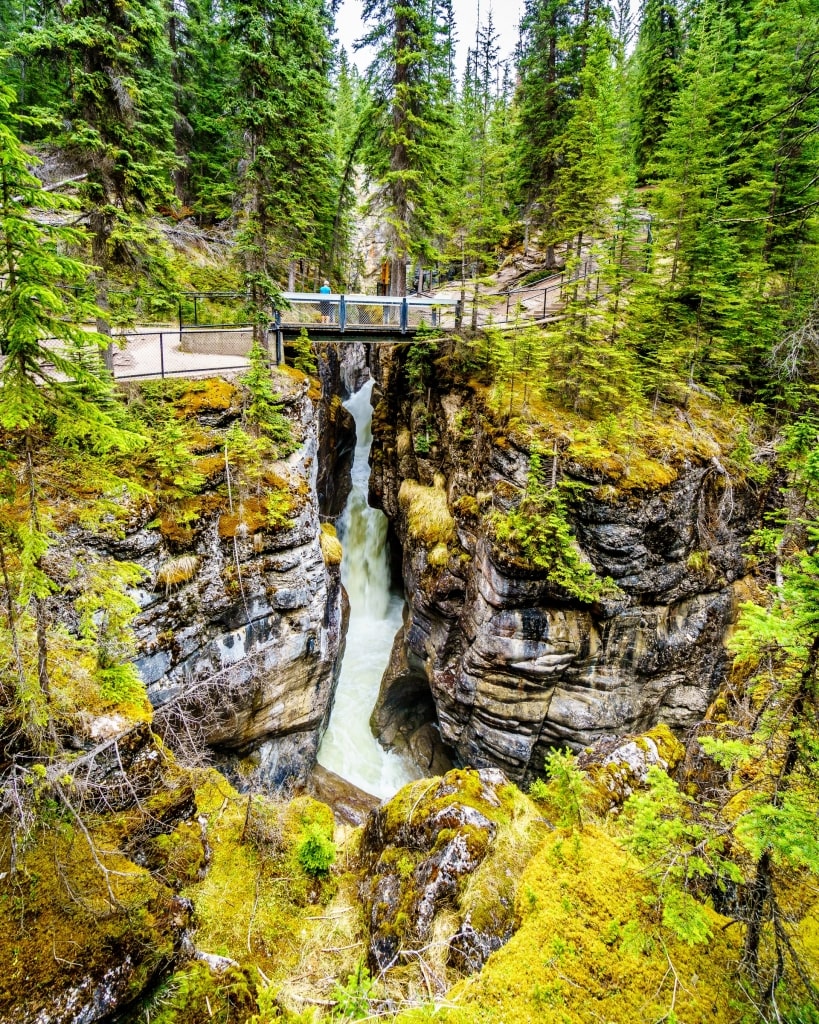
(315, 851)
(353, 999)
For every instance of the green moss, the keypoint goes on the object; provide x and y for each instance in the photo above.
(254, 903)
(587, 895)
(69, 913)
(196, 993)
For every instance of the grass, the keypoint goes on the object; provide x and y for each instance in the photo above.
(428, 517)
(331, 548)
(176, 570)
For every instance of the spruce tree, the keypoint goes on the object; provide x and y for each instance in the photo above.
(407, 139)
(50, 384)
(117, 115)
(479, 202)
(283, 111)
(208, 143)
(657, 74)
(558, 38)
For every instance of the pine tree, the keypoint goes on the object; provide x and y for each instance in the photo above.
(657, 73)
(479, 200)
(351, 116)
(589, 167)
(288, 196)
(42, 304)
(208, 143)
(769, 751)
(117, 115)
(542, 106)
(559, 37)
(406, 145)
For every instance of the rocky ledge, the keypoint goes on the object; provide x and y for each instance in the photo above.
(507, 662)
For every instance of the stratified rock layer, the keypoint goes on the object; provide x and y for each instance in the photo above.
(241, 620)
(514, 664)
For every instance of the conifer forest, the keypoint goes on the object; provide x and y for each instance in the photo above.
(409, 512)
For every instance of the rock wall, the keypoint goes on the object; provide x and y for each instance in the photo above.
(513, 663)
(239, 652)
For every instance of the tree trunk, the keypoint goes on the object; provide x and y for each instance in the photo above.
(40, 622)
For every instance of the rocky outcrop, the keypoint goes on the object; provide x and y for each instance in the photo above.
(618, 766)
(241, 617)
(417, 854)
(513, 662)
(337, 369)
(90, 915)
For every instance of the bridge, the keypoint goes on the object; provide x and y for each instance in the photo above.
(203, 341)
(338, 317)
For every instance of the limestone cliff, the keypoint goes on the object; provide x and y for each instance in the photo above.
(241, 615)
(514, 663)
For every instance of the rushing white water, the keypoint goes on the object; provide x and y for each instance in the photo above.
(349, 748)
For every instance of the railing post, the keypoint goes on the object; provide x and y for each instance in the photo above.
(162, 354)
(459, 314)
(277, 324)
(404, 315)
(508, 297)
(195, 311)
(545, 294)
(342, 313)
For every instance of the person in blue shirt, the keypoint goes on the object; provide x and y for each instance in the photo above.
(325, 306)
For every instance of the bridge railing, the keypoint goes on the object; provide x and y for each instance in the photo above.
(365, 312)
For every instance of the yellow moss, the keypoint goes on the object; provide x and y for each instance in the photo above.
(211, 395)
(428, 517)
(331, 548)
(61, 916)
(643, 448)
(210, 466)
(403, 443)
(589, 949)
(255, 903)
(614, 782)
(248, 518)
(438, 556)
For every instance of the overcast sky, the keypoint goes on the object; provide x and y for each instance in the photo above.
(507, 15)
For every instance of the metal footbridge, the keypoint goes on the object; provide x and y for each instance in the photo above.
(336, 313)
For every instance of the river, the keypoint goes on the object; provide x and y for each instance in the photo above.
(349, 748)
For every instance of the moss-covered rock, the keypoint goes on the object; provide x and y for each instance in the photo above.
(617, 766)
(421, 856)
(590, 948)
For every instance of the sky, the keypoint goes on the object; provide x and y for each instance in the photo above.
(507, 15)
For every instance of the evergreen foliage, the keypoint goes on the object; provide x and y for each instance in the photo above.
(538, 529)
(657, 60)
(408, 130)
(238, 116)
(282, 55)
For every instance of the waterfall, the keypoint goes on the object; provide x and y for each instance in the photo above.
(349, 748)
